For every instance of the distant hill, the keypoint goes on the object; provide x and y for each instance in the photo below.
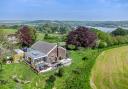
(109, 24)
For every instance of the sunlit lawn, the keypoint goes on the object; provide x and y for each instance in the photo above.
(111, 69)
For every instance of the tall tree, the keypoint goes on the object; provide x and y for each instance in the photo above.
(26, 35)
(81, 37)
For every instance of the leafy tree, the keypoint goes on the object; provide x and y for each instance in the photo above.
(103, 36)
(81, 37)
(120, 32)
(26, 35)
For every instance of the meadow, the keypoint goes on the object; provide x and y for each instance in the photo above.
(110, 70)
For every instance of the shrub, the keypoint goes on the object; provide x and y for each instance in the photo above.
(60, 72)
(102, 44)
(50, 82)
(3, 82)
(71, 47)
(51, 79)
(84, 58)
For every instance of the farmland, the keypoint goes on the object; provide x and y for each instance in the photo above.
(110, 70)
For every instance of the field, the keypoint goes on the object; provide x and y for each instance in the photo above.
(9, 31)
(111, 70)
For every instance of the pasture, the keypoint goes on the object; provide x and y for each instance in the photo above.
(111, 69)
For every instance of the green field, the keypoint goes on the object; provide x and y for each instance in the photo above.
(9, 31)
(111, 70)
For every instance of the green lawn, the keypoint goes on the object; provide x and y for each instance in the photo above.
(23, 72)
(111, 69)
(9, 31)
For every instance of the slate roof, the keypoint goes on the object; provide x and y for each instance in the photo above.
(34, 54)
(43, 47)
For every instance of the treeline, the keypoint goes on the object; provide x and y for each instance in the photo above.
(9, 26)
(116, 37)
(94, 38)
(54, 28)
(44, 28)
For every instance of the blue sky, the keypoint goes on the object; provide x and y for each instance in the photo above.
(64, 10)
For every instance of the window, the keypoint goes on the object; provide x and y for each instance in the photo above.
(60, 58)
(45, 59)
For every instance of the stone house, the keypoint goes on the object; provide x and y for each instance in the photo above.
(42, 55)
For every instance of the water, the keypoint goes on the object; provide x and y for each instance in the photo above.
(105, 29)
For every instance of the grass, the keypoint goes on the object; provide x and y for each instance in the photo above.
(110, 70)
(9, 31)
(23, 72)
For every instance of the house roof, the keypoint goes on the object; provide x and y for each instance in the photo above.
(34, 54)
(43, 47)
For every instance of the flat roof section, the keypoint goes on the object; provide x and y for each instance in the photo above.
(34, 54)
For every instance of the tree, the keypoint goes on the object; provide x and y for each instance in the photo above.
(103, 36)
(26, 35)
(81, 37)
(120, 32)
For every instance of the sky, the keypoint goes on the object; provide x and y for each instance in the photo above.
(80, 10)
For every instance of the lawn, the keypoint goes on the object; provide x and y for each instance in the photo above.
(25, 73)
(111, 69)
(9, 31)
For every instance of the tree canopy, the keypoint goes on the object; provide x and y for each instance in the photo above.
(26, 35)
(81, 37)
(120, 32)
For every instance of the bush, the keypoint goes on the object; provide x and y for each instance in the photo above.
(102, 45)
(71, 47)
(51, 79)
(84, 58)
(50, 82)
(60, 72)
(3, 82)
